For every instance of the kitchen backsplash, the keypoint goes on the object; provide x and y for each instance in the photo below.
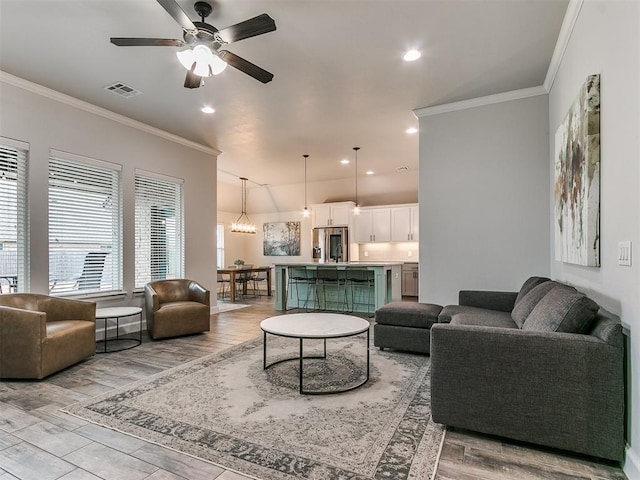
(396, 252)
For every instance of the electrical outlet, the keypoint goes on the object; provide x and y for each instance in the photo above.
(624, 253)
(366, 254)
(409, 253)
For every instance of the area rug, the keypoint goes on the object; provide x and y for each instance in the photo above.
(226, 409)
(227, 307)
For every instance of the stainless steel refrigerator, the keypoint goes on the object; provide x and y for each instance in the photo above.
(330, 245)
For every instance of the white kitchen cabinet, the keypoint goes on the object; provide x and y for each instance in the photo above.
(332, 214)
(404, 224)
(373, 225)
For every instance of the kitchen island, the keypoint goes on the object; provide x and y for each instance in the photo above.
(298, 285)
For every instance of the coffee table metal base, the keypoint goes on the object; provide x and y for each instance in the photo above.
(121, 343)
(301, 357)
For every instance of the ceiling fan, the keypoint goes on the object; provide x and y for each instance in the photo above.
(203, 58)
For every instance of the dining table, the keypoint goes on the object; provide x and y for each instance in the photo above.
(235, 272)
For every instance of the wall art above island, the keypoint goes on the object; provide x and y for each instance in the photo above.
(577, 179)
(281, 238)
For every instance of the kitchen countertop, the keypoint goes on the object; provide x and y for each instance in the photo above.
(338, 264)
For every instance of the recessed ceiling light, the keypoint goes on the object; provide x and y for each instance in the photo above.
(411, 130)
(411, 55)
(369, 172)
(344, 161)
(208, 109)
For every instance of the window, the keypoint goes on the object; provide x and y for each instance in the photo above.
(85, 225)
(159, 228)
(220, 246)
(14, 218)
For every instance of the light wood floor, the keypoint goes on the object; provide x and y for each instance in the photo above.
(39, 442)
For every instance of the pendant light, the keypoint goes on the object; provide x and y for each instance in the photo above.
(306, 212)
(356, 209)
(243, 224)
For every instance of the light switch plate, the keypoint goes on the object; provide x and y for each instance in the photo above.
(624, 253)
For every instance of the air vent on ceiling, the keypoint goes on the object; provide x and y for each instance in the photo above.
(122, 90)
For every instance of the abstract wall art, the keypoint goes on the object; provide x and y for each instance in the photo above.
(577, 179)
(281, 238)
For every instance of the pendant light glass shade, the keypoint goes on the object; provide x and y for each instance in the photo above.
(206, 62)
(356, 209)
(243, 224)
(306, 213)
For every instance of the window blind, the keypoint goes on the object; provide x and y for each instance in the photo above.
(159, 228)
(14, 217)
(85, 225)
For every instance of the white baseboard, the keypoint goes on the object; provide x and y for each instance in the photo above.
(632, 465)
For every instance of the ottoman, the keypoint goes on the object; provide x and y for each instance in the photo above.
(405, 326)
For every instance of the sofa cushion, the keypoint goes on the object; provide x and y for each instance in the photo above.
(408, 314)
(562, 309)
(527, 303)
(529, 285)
(487, 318)
(449, 312)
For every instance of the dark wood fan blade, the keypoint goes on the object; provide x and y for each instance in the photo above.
(249, 28)
(146, 42)
(177, 13)
(192, 80)
(246, 66)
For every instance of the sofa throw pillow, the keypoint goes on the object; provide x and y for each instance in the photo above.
(563, 309)
(527, 303)
(529, 285)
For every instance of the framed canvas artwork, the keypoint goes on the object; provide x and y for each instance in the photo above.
(281, 238)
(577, 179)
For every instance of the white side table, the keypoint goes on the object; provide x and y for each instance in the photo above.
(121, 342)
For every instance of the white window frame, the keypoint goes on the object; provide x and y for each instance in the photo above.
(220, 245)
(85, 226)
(154, 190)
(14, 217)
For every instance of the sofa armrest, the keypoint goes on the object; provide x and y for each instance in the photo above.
(21, 335)
(198, 293)
(557, 389)
(501, 301)
(67, 309)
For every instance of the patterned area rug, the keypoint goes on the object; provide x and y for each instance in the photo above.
(227, 307)
(226, 409)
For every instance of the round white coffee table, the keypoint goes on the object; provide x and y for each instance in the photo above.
(306, 326)
(111, 313)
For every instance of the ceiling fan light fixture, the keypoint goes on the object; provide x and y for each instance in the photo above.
(202, 61)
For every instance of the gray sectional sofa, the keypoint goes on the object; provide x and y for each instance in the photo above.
(542, 365)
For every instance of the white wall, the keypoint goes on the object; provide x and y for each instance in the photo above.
(484, 205)
(397, 252)
(605, 40)
(47, 123)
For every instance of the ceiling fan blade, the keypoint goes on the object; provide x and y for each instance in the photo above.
(246, 66)
(192, 80)
(249, 28)
(178, 14)
(146, 42)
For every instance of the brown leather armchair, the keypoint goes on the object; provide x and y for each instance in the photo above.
(40, 335)
(176, 307)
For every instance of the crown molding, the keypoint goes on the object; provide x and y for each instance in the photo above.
(102, 112)
(480, 101)
(568, 23)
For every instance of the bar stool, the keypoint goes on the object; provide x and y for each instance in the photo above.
(358, 278)
(332, 277)
(298, 276)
